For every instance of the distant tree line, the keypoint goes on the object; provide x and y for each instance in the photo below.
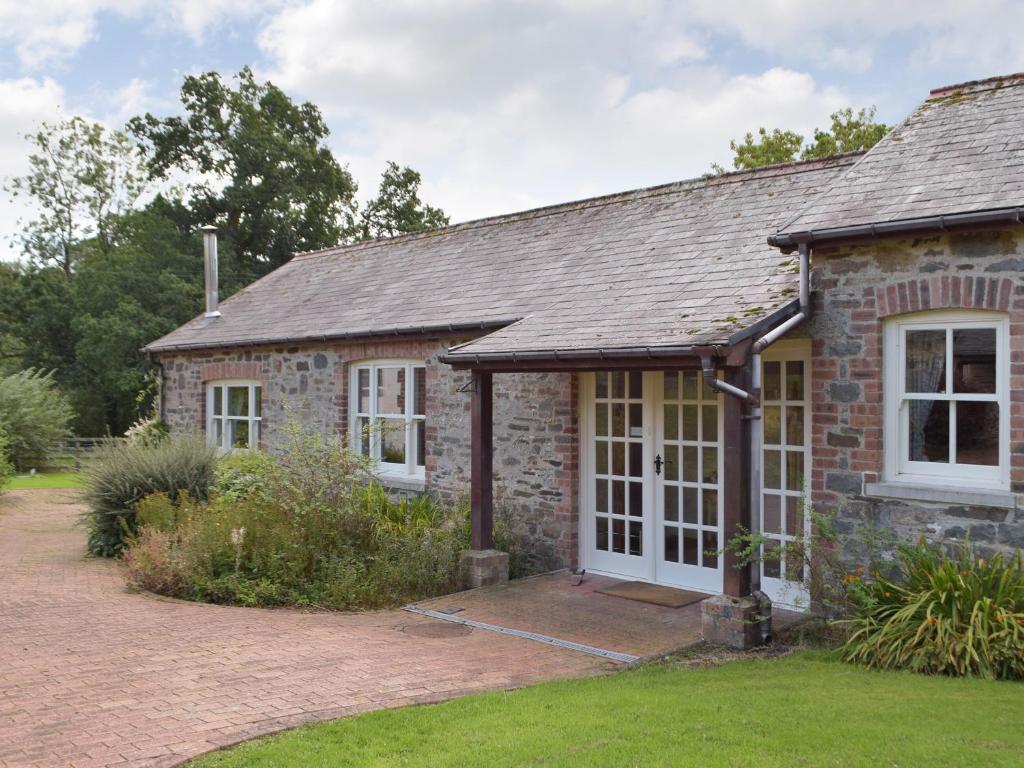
(112, 254)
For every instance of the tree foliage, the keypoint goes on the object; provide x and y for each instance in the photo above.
(848, 132)
(397, 208)
(81, 178)
(259, 167)
(34, 416)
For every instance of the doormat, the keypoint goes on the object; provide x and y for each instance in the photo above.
(652, 593)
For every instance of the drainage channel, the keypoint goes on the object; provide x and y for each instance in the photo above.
(623, 658)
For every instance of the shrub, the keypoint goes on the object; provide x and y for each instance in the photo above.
(948, 614)
(34, 414)
(308, 527)
(6, 467)
(123, 474)
(147, 430)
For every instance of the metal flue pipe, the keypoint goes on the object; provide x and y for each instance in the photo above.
(210, 269)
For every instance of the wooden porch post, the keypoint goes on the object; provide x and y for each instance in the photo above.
(736, 483)
(481, 464)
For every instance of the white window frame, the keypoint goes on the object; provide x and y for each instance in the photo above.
(410, 469)
(898, 467)
(255, 391)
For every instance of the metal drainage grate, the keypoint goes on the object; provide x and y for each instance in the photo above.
(623, 658)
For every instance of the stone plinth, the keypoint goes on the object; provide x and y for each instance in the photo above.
(484, 567)
(737, 622)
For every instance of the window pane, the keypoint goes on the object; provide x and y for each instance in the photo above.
(238, 434)
(258, 401)
(772, 416)
(619, 459)
(601, 454)
(771, 568)
(636, 538)
(929, 431)
(974, 360)
(772, 469)
(420, 390)
(218, 401)
(795, 380)
(420, 429)
(618, 420)
(690, 422)
(977, 433)
(391, 391)
(392, 441)
(671, 544)
(671, 468)
(618, 384)
(709, 465)
(601, 418)
(364, 391)
(794, 424)
(710, 499)
(601, 496)
(636, 462)
(794, 516)
(772, 514)
(772, 381)
(671, 422)
(602, 533)
(710, 549)
(690, 463)
(636, 499)
(690, 385)
(690, 546)
(217, 438)
(794, 470)
(926, 361)
(618, 497)
(363, 435)
(619, 536)
(601, 385)
(636, 384)
(238, 401)
(690, 506)
(636, 420)
(671, 503)
(709, 417)
(671, 385)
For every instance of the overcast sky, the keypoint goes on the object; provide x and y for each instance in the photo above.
(505, 105)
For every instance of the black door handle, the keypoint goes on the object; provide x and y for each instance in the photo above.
(657, 464)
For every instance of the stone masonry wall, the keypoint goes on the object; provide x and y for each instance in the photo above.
(535, 457)
(856, 288)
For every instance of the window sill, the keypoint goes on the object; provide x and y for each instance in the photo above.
(966, 496)
(402, 482)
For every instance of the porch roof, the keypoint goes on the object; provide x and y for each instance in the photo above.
(666, 268)
(959, 156)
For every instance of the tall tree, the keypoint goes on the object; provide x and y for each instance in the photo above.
(81, 178)
(259, 167)
(397, 208)
(848, 132)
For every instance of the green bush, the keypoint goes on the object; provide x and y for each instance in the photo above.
(949, 614)
(34, 414)
(6, 467)
(120, 475)
(308, 527)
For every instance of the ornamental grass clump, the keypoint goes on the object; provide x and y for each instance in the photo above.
(946, 614)
(122, 474)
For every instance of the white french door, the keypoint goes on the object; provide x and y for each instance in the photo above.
(785, 471)
(651, 464)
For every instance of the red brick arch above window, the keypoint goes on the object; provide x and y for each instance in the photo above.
(944, 292)
(228, 370)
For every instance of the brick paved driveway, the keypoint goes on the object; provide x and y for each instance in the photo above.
(93, 675)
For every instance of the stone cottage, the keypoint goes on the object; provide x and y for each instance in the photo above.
(634, 378)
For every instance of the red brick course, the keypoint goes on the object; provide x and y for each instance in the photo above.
(94, 675)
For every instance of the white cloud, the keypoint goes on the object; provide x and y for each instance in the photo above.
(24, 103)
(503, 107)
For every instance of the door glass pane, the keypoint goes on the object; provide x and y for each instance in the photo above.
(771, 565)
(364, 390)
(794, 425)
(710, 549)
(772, 469)
(671, 503)
(794, 380)
(420, 390)
(772, 514)
(977, 433)
(709, 417)
(392, 440)
(238, 401)
(690, 508)
(929, 430)
(709, 465)
(601, 454)
(690, 463)
(671, 422)
(601, 495)
(636, 385)
(794, 562)
(772, 381)
(710, 507)
(619, 535)
(636, 537)
(794, 470)
(974, 360)
(391, 391)
(671, 468)
(618, 384)
(794, 516)
(689, 385)
(671, 385)
(691, 548)
(601, 533)
(671, 544)
(926, 361)
(618, 419)
(706, 392)
(636, 461)
(619, 459)
(601, 385)
(618, 497)
(601, 419)
(690, 422)
(636, 499)
(636, 420)
(772, 416)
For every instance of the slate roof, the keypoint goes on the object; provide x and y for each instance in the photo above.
(961, 151)
(680, 264)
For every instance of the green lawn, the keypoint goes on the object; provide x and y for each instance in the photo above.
(804, 710)
(51, 480)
